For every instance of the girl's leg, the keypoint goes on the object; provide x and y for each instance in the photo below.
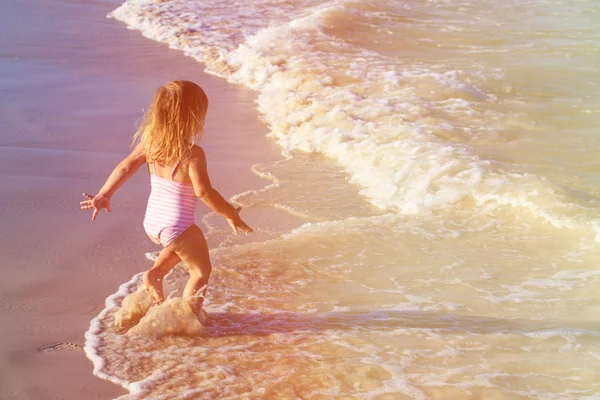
(153, 278)
(192, 249)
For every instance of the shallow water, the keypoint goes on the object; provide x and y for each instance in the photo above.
(444, 158)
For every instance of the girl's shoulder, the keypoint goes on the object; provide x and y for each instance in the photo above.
(197, 155)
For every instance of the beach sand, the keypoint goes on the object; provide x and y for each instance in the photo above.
(73, 84)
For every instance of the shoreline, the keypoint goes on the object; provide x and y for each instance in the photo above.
(51, 151)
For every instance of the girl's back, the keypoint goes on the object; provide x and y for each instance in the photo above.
(179, 174)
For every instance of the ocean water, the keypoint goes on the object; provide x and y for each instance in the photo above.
(444, 156)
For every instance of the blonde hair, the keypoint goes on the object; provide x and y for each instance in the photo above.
(176, 116)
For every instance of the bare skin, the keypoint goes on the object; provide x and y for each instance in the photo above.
(190, 247)
(153, 278)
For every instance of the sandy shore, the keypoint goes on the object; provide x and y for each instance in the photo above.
(73, 84)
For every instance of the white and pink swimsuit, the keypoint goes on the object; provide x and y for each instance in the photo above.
(170, 208)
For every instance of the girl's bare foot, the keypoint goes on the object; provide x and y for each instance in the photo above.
(153, 283)
(153, 278)
(195, 304)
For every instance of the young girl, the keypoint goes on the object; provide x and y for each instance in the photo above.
(178, 175)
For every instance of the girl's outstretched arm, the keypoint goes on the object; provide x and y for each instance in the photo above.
(123, 171)
(198, 171)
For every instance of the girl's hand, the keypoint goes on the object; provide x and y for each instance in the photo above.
(97, 202)
(237, 223)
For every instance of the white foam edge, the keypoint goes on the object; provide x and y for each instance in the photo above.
(93, 341)
(565, 333)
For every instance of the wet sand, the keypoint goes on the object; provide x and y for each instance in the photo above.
(73, 84)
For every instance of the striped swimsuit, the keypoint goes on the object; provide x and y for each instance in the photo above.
(170, 208)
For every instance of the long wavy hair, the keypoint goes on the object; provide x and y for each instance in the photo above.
(175, 118)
